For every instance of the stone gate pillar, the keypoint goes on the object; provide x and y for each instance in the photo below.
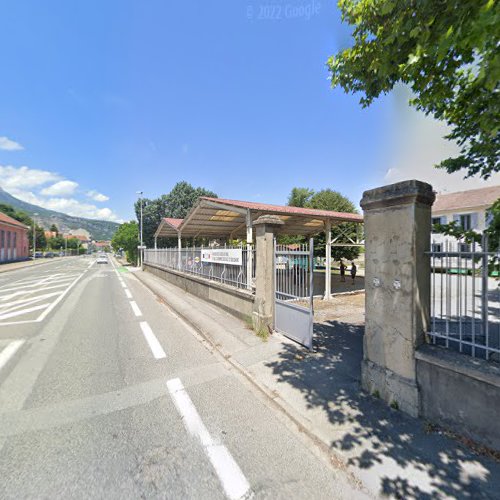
(265, 228)
(397, 280)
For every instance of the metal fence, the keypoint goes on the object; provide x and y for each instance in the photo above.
(292, 272)
(189, 260)
(465, 298)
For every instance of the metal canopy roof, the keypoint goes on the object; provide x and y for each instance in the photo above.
(218, 218)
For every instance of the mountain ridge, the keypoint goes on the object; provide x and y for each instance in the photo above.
(99, 229)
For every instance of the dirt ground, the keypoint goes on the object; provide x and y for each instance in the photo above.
(343, 306)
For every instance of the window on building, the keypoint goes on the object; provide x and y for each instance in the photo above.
(14, 244)
(437, 247)
(436, 220)
(2, 239)
(8, 239)
(466, 221)
(464, 247)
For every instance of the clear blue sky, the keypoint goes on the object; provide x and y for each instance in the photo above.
(123, 95)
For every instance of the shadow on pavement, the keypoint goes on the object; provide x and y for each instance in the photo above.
(391, 451)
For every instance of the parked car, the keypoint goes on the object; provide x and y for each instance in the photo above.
(38, 255)
(49, 255)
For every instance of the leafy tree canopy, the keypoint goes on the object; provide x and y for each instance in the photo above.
(446, 51)
(127, 237)
(300, 197)
(326, 199)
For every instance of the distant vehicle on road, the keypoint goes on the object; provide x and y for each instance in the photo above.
(61, 254)
(102, 258)
(49, 255)
(38, 255)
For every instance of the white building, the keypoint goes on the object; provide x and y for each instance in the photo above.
(467, 208)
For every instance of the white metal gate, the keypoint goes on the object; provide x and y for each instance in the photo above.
(293, 265)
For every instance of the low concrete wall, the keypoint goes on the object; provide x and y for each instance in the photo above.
(460, 392)
(237, 302)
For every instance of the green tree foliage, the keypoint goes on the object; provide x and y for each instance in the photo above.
(446, 51)
(175, 204)
(127, 237)
(54, 229)
(56, 243)
(326, 199)
(493, 229)
(299, 197)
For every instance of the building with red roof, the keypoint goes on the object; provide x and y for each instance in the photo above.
(14, 244)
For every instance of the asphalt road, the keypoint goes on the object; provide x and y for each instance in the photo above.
(104, 393)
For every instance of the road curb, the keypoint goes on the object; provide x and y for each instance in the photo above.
(274, 399)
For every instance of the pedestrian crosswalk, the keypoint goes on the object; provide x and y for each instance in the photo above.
(30, 299)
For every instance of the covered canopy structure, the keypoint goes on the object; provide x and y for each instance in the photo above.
(219, 218)
(222, 218)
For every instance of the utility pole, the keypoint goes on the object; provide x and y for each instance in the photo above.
(140, 193)
(34, 235)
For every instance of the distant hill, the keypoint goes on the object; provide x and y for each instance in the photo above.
(99, 229)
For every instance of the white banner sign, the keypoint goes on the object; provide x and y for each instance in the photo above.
(230, 256)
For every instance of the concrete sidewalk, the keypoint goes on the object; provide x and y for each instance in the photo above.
(388, 452)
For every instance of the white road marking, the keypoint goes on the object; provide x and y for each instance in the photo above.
(23, 311)
(9, 351)
(27, 292)
(135, 308)
(127, 293)
(230, 475)
(123, 285)
(10, 306)
(28, 295)
(152, 341)
(54, 304)
(33, 285)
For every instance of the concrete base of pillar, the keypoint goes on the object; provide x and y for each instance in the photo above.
(262, 321)
(390, 386)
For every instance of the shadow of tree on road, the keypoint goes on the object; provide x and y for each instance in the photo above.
(408, 462)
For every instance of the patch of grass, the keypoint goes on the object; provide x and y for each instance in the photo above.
(394, 405)
(376, 393)
(248, 322)
(263, 333)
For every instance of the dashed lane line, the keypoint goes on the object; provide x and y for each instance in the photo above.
(135, 308)
(127, 293)
(152, 341)
(230, 475)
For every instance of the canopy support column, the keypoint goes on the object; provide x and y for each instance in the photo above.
(249, 249)
(156, 240)
(179, 248)
(328, 260)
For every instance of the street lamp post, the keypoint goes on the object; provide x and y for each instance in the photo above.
(140, 193)
(34, 235)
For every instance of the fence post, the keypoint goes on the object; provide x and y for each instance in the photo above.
(397, 281)
(263, 313)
